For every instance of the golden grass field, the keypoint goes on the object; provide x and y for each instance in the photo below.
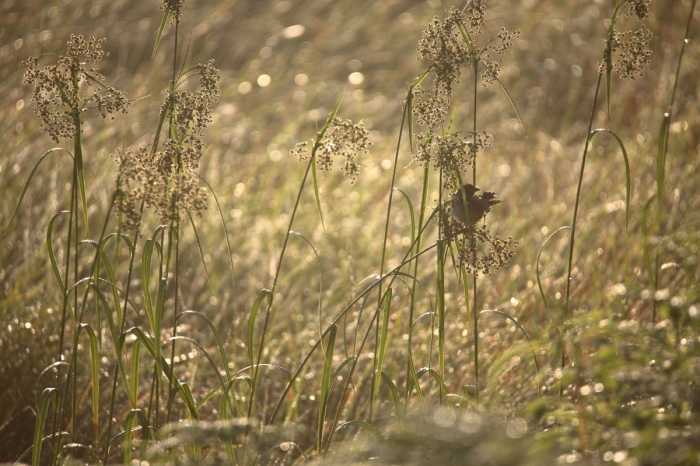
(617, 352)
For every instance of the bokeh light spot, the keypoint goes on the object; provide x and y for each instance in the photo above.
(301, 79)
(264, 80)
(293, 32)
(244, 88)
(356, 78)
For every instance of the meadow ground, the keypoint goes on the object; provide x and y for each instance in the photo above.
(583, 355)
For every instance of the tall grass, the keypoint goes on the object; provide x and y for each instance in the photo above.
(392, 331)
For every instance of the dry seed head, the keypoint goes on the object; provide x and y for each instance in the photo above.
(191, 110)
(443, 44)
(430, 108)
(159, 182)
(56, 96)
(474, 12)
(479, 251)
(639, 8)
(633, 52)
(167, 181)
(342, 138)
(452, 152)
(174, 7)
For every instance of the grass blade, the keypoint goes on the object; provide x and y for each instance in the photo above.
(537, 264)
(524, 333)
(326, 384)
(129, 429)
(364, 425)
(201, 251)
(95, 375)
(661, 160)
(26, 186)
(54, 263)
(628, 182)
(223, 223)
(47, 396)
(394, 392)
(161, 28)
(440, 305)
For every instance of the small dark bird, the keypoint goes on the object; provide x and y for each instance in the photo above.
(476, 206)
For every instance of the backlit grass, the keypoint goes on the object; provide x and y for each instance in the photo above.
(302, 317)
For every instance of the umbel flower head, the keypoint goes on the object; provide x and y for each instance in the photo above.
(167, 180)
(639, 8)
(453, 152)
(633, 52)
(449, 45)
(57, 95)
(159, 183)
(343, 139)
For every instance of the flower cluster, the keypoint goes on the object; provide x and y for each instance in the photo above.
(448, 45)
(157, 182)
(471, 240)
(633, 52)
(442, 46)
(167, 180)
(190, 111)
(498, 45)
(174, 7)
(57, 98)
(475, 12)
(430, 108)
(639, 8)
(452, 152)
(342, 138)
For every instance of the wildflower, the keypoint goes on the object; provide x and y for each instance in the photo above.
(449, 46)
(174, 8)
(453, 152)
(167, 180)
(471, 241)
(57, 99)
(430, 108)
(633, 52)
(640, 8)
(342, 138)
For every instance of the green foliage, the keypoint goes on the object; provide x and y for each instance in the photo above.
(582, 348)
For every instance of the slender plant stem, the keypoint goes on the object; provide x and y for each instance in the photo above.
(70, 240)
(386, 236)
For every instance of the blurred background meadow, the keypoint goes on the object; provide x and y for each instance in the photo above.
(628, 390)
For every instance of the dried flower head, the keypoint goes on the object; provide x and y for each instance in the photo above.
(158, 182)
(498, 255)
(449, 46)
(167, 180)
(57, 97)
(452, 152)
(190, 111)
(633, 52)
(441, 44)
(430, 108)
(474, 13)
(499, 44)
(471, 241)
(342, 138)
(174, 7)
(639, 8)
